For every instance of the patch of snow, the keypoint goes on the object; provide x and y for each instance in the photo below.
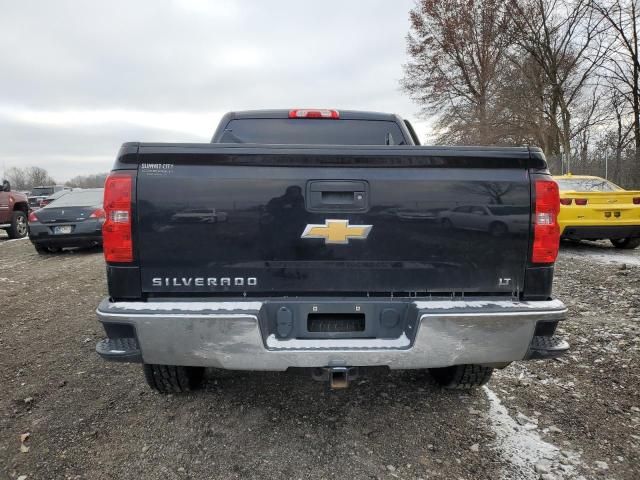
(338, 343)
(186, 306)
(521, 446)
(14, 240)
(506, 304)
(601, 252)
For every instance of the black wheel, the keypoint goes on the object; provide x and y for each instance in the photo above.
(45, 250)
(498, 229)
(446, 224)
(625, 243)
(461, 377)
(18, 228)
(173, 379)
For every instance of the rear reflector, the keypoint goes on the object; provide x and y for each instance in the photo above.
(565, 201)
(546, 233)
(116, 230)
(636, 200)
(331, 114)
(581, 201)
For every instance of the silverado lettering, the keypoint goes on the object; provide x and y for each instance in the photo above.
(203, 281)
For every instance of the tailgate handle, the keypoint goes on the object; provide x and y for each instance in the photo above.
(337, 195)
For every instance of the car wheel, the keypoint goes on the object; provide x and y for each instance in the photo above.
(18, 228)
(45, 250)
(625, 243)
(498, 229)
(173, 379)
(461, 377)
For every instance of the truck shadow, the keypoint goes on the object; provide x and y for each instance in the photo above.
(291, 391)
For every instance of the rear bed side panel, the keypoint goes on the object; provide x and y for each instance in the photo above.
(232, 226)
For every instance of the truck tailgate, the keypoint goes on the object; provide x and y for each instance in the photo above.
(229, 221)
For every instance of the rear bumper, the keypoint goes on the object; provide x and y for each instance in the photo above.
(228, 335)
(68, 240)
(85, 233)
(599, 232)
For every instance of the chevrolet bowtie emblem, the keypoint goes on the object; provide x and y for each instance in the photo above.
(337, 232)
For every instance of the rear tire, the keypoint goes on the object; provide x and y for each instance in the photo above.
(625, 243)
(461, 377)
(43, 250)
(498, 229)
(18, 228)
(173, 379)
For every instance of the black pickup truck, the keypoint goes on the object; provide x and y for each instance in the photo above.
(329, 241)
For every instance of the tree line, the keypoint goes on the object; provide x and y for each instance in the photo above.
(26, 178)
(559, 74)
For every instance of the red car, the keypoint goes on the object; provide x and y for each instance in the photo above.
(14, 208)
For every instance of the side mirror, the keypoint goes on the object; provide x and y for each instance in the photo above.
(6, 186)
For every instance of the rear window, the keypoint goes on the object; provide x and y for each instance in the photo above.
(41, 191)
(508, 210)
(84, 198)
(588, 185)
(312, 132)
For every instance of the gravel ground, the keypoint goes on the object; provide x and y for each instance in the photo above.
(578, 417)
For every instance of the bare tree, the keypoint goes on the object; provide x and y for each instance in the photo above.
(28, 177)
(38, 176)
(17, 177)
(88, 181)
(623, 65)
(563, 38)
(457, 51)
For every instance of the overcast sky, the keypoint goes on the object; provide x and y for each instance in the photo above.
(79, 78)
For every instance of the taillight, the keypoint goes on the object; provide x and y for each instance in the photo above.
(97, 213)
(565, 201)
(32, 217)
(116, 230)
(636, 200)
(306, 113)
(546, 231)
(581, 201)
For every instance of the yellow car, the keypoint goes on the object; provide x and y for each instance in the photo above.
(592, 208)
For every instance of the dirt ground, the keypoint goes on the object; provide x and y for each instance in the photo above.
(576, 417)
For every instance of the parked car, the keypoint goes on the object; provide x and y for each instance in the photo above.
(496, 220)
(312, 269)
(53, 197)
(40, 193)
(14, 209)
(73, 220)
(592, 208)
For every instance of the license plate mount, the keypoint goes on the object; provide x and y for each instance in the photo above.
(62, 229)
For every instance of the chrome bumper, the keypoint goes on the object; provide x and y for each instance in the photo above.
(227, 335)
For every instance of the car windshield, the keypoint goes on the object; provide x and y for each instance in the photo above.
(58, 194)
(587, 185)
(312, 132)
(84, 198)
(41, 191)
